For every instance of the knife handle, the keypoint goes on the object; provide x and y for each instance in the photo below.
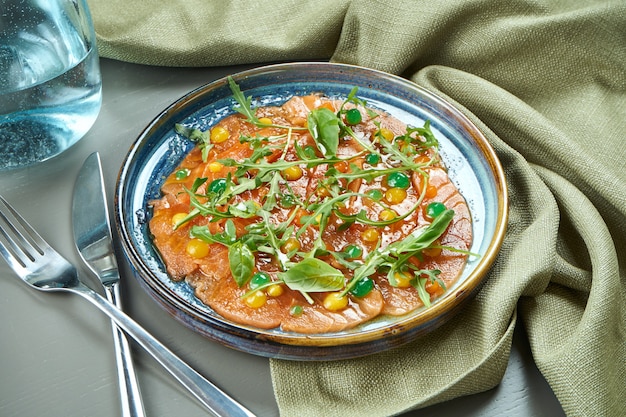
(130, 394)
(214, 399)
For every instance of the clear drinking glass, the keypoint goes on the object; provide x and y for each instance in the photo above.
(50, 84)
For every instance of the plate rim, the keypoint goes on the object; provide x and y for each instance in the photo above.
(445, 304)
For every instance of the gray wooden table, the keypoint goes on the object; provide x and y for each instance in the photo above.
(56, 351)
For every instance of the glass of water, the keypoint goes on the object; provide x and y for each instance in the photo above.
(50, 84)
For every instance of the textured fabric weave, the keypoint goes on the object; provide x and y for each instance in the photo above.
(545, 80)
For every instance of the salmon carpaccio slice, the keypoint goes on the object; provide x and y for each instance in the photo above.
(210, 275)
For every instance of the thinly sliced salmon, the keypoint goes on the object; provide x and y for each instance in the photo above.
(210, 275)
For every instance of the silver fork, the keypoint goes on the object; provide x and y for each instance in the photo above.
(41, 267)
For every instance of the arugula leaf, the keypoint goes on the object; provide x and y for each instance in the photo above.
(241, 261)
(244, 209)
(420, 285)
(232, 189)
(244, 106)
(197, 183)
(395, 256)
(429, 139)
(323, 125)
(306, 272)
(274, 191)
(423, 238)
(230, 231)
(369, 175)
(191, 133)
(227, 238)
(313, 275)
(345, 261)
(306, 153)
(203, 139)
(432, 275)
(244, 103)
(352, 98)
(269, 238)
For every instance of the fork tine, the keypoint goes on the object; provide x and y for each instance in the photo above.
(49, 271)
(19, 239)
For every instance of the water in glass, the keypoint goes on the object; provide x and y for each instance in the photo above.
(50, 84)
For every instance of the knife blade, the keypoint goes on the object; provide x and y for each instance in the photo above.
(92, 235)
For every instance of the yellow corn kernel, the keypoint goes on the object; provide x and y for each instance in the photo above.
(432, 252)
(219, 134)
(422, 159)
(256, 299)
(265, 120)
(197, 248)
(322, 192)
(406, 148)
(403, 279)
(335, 301)
(292, 173)
(387, 134)
(431, 191)
(292, 244)
(275, 290)
(215, 167)
(395, 195)
(433, 287)
(177, 218)
(387, 215)
(370, 235)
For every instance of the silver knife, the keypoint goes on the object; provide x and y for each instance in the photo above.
(92, 234)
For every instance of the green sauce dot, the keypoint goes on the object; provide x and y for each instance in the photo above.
(181, 174)
(353, 251)
(398, 180)
(372, 158)
(259, 279)
(434, 209)
(363, 287)
(353, 117)
(218, 186)
(296, 311)
(375, 194)
(287, 201)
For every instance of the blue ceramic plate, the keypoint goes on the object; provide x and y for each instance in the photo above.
(472, 163)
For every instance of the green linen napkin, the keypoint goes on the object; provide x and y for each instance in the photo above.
(545, 80)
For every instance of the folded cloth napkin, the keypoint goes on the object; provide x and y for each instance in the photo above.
(545, 80)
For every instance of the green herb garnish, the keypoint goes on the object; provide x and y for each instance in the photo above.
(203, 139)
(324, 127)
(308, 271)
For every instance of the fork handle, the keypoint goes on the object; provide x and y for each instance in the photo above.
(130, 394)
(215, 400)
